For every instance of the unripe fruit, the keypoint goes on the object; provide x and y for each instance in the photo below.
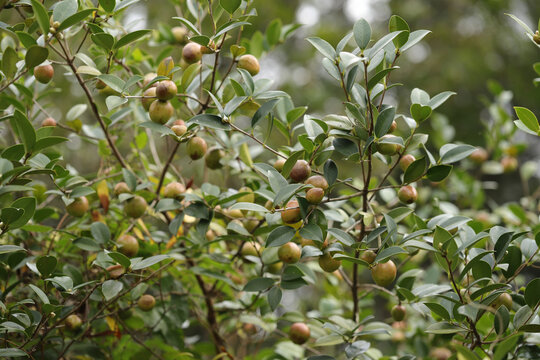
(128, 245)
(328, 263)
(180, 34)
(79, 207)
(161, 111)
(250, 249)
(318, 181)
(174, 190)
(291, 216)
(440, 353)
(275, 268)
(48, 122)
(299, 333)
(166, 90)
(213, 158)
(368, 256)
(146, 302)
(278, 164)
(407, 194)
(73, 322)
(121, 188)
(149, 77)
(179, 130)
(107, 91)
(384, 273)
(115, 271)
(300, 171)
(479, 155)
(210, 49)
(289, 253)
(503, 299)
(393, 126)
(196, 148)
(314, 195)
(149, 96)
(536, 37)
(43, 73)
(250, 197)
(249, 63)
(179, 122)
(135, 207)
(388, 148)
(251, 225)
(192, 53)
(398, 312)
(509, 164)
(234, 213)
(405, 161)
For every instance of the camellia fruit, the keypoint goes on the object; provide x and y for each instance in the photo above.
(300, 171)
(249, 63)
(509, 164)
(398, 312)
(135, 207)
(440, 353)
(149, 77)
(328, 263)
(368, 256)
(115, 271)
(407, 194)
(479, 156)
(48, 122)
(503, 299)
(250, 197)
(250, 248)
(405, 161)
(146, 302)
(179, 130)
(128, 245)
(318, 181)
(166, 90)
(73, 322)
(196, 148)
(299, 333)
(78, 207)
(314, 195)
(384, 273)
(192, 53)
(213, 158)
(44, 73)
(174, 190)
(393, 126)
(161, 111)
(388, 148)
(536, 37)
(121, 188)
(149, 96)
(291, 216)
(289, 253)
(180, 34)
(278, 164)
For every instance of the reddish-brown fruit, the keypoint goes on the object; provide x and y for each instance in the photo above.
(368, 256)
(196, 148)
(48, 122)
(149, 77)
(318, 181)
(161, 111)
(289, 253)
(384, 274)
(388, 148)
(249, 63)
(166, 90)
(73, 322)
(314, 195)
(509, 164)
(174, 190)
(128, 245)
(121, 188)
(213, 158)
(328, 263)
(407, 194)
(291, 216)
(300, 171)
(299, 333)
(146, 302)
(393, 127)
(149, 96)
(192, 53)
(398, 312)
(44, 73)
(405, 161)
(79, 207)
(135, 207)
(115, 271)
(278, 164)
(479, 156)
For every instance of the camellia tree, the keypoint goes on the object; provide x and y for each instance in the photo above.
(226, 222)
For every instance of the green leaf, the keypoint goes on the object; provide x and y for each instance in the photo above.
(42, 296)
(26, 39)
(439, 99)
(249, 207)
(157, 127)
(384, 121)
(131, 37)
(113, 81)
(103, 40)
(389, 252)
(6, 249)
(532, 295)
(46, 265)
(12, 352)
(100, 232)
(25, 130)
(108, 5)
(35, 56)
(439, 172)
(451, 153)
(111, 288)
(439, 310)
(48, 141)
(64, 9)
(505, 347)
(290, 162)
(342, 236)
(228, 27)
(323, 47)
(274, 297)
(415, 170)
(414, 38)
(527, 118)
(397, 23)
(312, 232)
(273, 32)
(209, 121)
(279, 236)
(120, 258)
(362, 33)
(419, 112)
(501, 320)
(75, 19)
(381, 44)
(42, 16)
(374, 80)
(143, 264)
(258, 284)
(115, 101)
(443, 328)
(9, 62)
(330, 171)
(188, 24)
(230, 5)
(263, 111)
(522, 24)
(28, 204)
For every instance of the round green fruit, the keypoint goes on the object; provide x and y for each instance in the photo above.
(289, 253)
(213, 158)
(291, 216)
(196, 148)
(249, 197)
(73, 322)
(300, 171)
(407, 194)
(368, 256)
(503, 299)
(398, 312)
(174, 190)
(192, 53)
(121, 188)
(388, 148)
(405, 161)
(78, 207)
(161, 111)
(384, 274)
(249, 63)
(149, 96)
(44, 73)
(135, 207)
(250, 248)
(166, 90)
(179, 130)
(315, 195)
(328, 263)
(180, 34)
(278, 164)
(128, 245)
(146, 302)
(299, 333)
